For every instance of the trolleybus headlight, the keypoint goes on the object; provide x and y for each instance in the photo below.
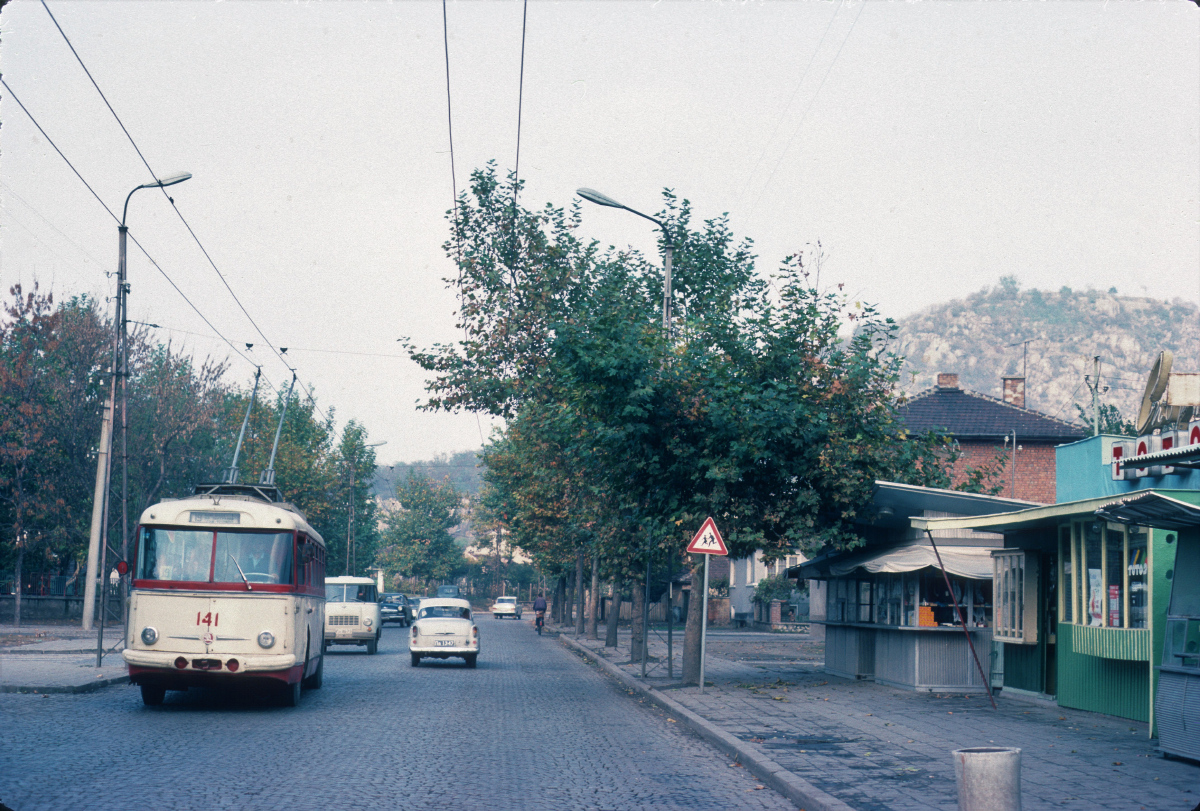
(266, 639)
(149, 635)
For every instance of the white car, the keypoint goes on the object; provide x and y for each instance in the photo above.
(506, 607)
(444, 628)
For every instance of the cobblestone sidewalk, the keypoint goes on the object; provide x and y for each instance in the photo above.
(878, 748)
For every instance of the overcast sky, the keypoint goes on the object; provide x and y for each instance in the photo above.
(931, 147)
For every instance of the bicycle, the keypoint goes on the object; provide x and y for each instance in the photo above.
(540, 621)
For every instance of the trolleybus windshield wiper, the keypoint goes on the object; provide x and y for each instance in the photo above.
(245, 579)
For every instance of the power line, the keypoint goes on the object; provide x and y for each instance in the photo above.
(104, 205)
(804, 117)
(187, 225)
(450, 129)
(791, 98)
(520, 102)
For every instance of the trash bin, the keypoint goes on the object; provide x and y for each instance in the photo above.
(989, 778)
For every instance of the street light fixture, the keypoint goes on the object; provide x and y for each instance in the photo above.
(601, 199)
(98, 541)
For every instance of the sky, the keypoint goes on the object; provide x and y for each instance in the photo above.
(930, 147)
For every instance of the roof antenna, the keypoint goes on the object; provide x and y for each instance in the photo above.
(231, 475)
(268, 475)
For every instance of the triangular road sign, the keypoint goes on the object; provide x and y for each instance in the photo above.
(708, 540)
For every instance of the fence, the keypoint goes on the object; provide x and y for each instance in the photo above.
(36, 608)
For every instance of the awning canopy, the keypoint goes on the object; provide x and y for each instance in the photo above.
(965, 561)
(1152, 509)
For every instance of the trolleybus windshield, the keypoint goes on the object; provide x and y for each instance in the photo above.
(208, 556)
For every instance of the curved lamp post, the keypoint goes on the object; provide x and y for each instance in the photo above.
(98, 540)
(602, 199)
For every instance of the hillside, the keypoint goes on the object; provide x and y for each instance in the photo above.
(981, 337)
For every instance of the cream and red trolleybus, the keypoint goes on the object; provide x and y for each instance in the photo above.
(228, 589)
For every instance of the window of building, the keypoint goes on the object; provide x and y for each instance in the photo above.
(1103, 574)
(1014, 583)
(910, 599)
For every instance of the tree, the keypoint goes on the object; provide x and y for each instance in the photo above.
(416, 538)
(28, 452)
(772, 406)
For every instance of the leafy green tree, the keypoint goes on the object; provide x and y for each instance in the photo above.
(759, 410)
(416, 538)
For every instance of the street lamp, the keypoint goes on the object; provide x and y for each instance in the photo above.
(602, 199)
(350, 512)
(98, 550)
(669, 250)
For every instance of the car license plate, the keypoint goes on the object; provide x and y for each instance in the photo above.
(445, 643)
(344, 633)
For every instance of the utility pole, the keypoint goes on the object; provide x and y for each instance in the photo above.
(1093, 384)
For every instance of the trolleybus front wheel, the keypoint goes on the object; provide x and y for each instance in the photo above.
(290, 695)
(314, 681)
(153, 695)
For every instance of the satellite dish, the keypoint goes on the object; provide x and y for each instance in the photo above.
(1160, 374)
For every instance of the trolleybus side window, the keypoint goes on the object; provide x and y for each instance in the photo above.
(261, 557)
(175, 554)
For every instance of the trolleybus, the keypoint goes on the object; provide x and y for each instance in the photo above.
(228, 589)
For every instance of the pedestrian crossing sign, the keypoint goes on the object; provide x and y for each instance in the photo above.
(708, 540)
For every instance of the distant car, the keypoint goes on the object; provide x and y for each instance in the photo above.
(395, 608)
(444, 629)
(506, 607)
(449, 591)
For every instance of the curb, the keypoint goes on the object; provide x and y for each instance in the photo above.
(65, 688)
(803, 794)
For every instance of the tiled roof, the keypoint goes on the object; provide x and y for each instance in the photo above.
(968, 414)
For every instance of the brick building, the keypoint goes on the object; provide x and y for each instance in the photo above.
(985, 429)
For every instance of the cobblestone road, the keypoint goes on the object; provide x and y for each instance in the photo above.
(530, 728)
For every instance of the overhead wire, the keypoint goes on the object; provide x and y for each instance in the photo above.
(520, 104)
(178, 213)
(454, 182)
(807, 109)
(791, 98)
(104, 205)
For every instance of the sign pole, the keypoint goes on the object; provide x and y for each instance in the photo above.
(704, 625)
(706, 542)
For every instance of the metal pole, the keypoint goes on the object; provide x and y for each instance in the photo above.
(350, 516)
(704, 624)
(987, 682)
(231, 475)
(646, 611)
(123, 292)
(1096, 396)
(670, 615)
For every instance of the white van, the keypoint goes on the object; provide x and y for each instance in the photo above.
(352, 612)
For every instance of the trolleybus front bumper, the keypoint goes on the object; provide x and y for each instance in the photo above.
(195, 668)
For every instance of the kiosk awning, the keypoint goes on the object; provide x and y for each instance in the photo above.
(964, 561)
(1152, 509)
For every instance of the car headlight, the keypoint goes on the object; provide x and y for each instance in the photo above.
(266, 639)
(368, 622)
(149, 635)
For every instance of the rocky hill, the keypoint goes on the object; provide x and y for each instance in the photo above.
(982, 338)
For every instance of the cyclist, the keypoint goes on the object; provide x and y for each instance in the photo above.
(539, 608)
